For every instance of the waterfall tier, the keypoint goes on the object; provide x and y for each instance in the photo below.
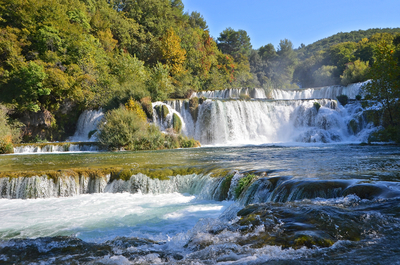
(233, 93)
(87, 123)
(56, 148)
(259, 189)
(72, 185)
(331, 92)
(235, 122)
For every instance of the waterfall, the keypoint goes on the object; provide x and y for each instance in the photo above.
(255, 122)
(55, 148)
(261, 189)
(233, 93)
(87, 122)
(331, 92)
(45, 186)
(284, 189)
(71, 185)
(201, 185)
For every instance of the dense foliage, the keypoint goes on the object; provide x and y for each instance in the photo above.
(63, 56)
(59, 57)
(126, 127)
(384, 87)
(9, 132)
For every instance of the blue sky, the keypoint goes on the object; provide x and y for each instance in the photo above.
(306, 21)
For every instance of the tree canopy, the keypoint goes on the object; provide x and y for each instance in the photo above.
(63, 56)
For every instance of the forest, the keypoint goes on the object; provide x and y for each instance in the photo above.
(60, 57)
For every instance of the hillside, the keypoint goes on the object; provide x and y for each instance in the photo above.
(352, 36)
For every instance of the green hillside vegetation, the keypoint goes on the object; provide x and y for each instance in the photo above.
(60, 57)
(353, 36)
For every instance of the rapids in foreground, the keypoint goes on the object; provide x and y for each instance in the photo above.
(268, 204)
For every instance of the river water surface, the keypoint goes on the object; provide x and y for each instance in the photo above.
(310, 204)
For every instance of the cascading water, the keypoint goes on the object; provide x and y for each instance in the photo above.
(257, 122)
(66, 186)
(232, 93)
(302, 203)
(45, 187)
(55, 148)
(87, 123)
(331, 92)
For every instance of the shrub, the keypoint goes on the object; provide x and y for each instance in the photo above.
(343, 99)
(151, 139)
(358, 97)
(6, 146)
(162, 111)
(135, 107)
(121, 127)
(244, 183)
(317, 106)
(186, 142)
(9, 133)
(125, 128)
(176, 123)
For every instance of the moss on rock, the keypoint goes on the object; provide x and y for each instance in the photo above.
(194, 107)
(176, 123)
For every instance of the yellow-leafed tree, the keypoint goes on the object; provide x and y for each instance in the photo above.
(136, 107)
(172, 53)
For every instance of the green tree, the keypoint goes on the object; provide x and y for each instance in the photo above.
(159, 84)
(197, 20)
(325, 76)
(284, 65)
(25, 88)
(385, 85)
(354, 72)
(234, 42)
(341, 54)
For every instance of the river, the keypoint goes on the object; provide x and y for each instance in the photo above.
(308, 204)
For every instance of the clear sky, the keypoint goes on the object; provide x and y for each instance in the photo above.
(301, 21)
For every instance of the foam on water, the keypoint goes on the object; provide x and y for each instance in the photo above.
(101, 217)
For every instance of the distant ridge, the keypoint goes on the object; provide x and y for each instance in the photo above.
(354, 36)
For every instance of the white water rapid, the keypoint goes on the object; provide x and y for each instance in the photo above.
(102, 217)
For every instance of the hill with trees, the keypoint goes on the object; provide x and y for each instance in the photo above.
(353, 36)
(60, 57)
